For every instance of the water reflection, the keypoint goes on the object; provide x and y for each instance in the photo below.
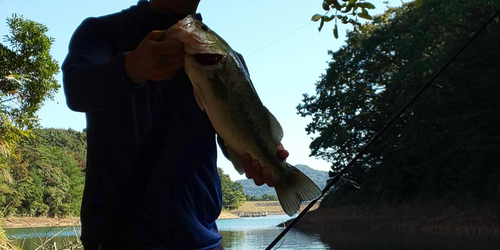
(260, 239)
(383, 240)
(259, 232)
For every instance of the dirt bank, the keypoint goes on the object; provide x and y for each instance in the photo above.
(227, 215)
(24, 222)
(429, 218)
(27, 222)
(270, 207)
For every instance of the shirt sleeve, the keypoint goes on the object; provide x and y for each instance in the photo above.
(93, 77)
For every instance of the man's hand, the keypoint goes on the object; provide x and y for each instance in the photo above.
(154, 59)
(259, 174)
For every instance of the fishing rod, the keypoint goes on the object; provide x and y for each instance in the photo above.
(365, 148)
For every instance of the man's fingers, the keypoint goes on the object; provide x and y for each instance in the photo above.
(163, 71)
(256, 173)
(259, 174)
(282, 152)
(247, 163)
(169, 47)
(170, 61)
(156, 35)
(267, 177)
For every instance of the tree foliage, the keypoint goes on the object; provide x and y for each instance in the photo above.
(264, 197)
(347, 11)
(444, 145)
(26, 80)
(47, 175)
(232, 192)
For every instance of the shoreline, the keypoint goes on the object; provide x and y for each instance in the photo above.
(434, 218)
(269, 207)
(34, 222)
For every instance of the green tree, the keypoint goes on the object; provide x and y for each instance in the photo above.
(267, 197)
(26, 80)
(442, 147)
(347, 12)
(47, 174)
(232, 192)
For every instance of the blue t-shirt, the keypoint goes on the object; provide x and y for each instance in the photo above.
(181, 196)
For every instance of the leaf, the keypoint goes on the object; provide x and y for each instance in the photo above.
(364, 14)
(328, 19)
(348, 8)
(321, 24)
(418, 3)
(316, 17)
(326, 6)
(337, 5)
(335, 32)
(354, 22)
(6, 175)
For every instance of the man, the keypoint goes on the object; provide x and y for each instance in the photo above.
(151, 176)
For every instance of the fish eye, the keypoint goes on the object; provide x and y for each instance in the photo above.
(204, 27)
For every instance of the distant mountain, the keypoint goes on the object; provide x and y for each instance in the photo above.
(317, 176)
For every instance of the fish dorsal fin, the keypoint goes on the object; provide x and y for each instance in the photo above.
(275, 127)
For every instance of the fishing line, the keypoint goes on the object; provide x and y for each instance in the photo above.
(279, 39)
(365, 148)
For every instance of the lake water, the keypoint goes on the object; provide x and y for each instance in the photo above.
(259, 232)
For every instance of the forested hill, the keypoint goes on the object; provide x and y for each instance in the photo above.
(46, 176)
(249, 187)
(446, 145)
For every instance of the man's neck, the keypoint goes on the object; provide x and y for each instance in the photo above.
(181, 7)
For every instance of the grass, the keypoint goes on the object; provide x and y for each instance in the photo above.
(45, 243)
(5, 243)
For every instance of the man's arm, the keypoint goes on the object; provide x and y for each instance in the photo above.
(94, 78)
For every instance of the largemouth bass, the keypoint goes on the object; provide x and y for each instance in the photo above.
(223, 89)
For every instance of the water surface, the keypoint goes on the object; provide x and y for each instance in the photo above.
(259, 232)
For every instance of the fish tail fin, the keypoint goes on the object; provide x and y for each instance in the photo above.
(296, 189)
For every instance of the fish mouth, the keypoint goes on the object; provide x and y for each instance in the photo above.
(208, 59)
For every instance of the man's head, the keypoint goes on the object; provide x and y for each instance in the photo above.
(181, 7)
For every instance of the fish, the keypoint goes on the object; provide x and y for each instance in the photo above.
(223, 89)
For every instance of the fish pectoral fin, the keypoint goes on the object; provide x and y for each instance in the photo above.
(294, 190)
(275, 127)
(219, 87)
(198, 96)
(236, 159)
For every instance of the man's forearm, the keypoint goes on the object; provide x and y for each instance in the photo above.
(93, 77)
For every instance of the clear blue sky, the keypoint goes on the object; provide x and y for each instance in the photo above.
(283, 49)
